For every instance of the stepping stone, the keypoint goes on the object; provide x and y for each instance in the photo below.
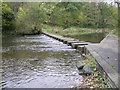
(81, 49)
(75, 45)
(33, 59)
(72, 41)
(68, 39)
(62, 39)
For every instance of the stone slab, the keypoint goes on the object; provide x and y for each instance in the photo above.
(81, 49)
(75, 45)
(66, 40)
(72, 41)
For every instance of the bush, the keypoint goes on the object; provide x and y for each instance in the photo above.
(7, 18)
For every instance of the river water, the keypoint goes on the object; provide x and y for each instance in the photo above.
(38, 62)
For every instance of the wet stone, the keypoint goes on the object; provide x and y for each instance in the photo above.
(75, 45)
(79, 66)
(33, 59)
(73, 41)
(86, 70)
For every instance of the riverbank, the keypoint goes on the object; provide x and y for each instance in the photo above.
(19, 34)
(93, 35)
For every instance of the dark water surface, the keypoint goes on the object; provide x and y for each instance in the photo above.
(90, 37)
(38, 62)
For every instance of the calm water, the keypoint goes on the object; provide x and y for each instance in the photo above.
(91, 37)
(38, 62)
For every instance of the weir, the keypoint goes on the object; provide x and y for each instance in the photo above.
(109, 74)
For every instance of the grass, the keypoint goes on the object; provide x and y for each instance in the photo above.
(77, 29)
(72, 31)
(51, 29)
(116, 32)
(60, 30)
(111, 66)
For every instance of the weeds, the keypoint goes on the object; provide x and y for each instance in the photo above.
(95, 80)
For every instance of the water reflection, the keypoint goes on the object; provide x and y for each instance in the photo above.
(90, 37)
(38, 62)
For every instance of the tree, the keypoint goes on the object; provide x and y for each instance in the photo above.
(67, 14)
(108, 15)
(7, 17)
(91, 13)
(28, 16)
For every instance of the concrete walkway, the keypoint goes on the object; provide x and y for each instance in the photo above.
(108, 49)
(106, 53)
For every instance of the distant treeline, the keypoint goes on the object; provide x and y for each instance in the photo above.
(24, 17)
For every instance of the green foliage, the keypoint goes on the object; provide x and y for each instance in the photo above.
(27, 18)
(15, 6)
(63, 14)
(7, 18)
(108, 15)
(91, 12)
(80, 14)
(67, 14)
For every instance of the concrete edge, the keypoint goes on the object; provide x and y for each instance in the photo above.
(110, 75)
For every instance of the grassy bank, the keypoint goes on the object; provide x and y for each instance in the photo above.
(83, 34)
(73, 30)
(116, 32)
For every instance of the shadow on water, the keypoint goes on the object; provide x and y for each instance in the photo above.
(38, 62)
(90, 37)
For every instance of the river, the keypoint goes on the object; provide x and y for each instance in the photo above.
(38, 62)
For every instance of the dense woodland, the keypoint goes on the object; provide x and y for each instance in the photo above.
(20, 17)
